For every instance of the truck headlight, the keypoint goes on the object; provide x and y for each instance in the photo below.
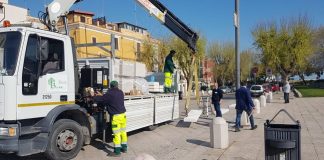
(11, 132)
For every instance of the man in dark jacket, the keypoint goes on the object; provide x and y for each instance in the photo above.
(114, 100)
(168, 71)
(217, 95)
(243, 103)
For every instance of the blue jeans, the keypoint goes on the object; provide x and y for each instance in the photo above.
(238, 117)
(217, 109)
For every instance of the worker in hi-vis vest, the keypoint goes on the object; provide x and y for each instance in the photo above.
(114, 100)
(168, 71)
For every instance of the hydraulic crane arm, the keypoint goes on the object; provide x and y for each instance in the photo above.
(59, 8)
(56, 9)
(171, 22)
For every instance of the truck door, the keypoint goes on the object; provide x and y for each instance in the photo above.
(44, 80)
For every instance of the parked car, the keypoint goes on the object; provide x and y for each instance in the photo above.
(256, 90)
(225, 89)
(275, 87)
(267, 87)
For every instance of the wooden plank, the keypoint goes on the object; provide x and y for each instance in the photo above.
(193, 116)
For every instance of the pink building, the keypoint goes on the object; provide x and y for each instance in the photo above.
(207, 71)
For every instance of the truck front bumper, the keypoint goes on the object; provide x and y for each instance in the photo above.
(9, 140)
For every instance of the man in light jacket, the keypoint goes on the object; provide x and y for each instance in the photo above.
(286, 90)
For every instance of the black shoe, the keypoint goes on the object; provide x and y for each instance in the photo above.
(241, 126)
(237, 129)
(254, 127)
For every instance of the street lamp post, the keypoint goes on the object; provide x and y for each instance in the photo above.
(237, 36)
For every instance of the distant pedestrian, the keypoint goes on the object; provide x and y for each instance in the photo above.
(244, 103)
(217, 96)
(286, 90)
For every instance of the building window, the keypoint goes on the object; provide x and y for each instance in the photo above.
(94, 40)
(138, 47)
(116, 44)
(83, 19)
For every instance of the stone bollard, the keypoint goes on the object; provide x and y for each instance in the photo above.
(268, 98)
(271, 96)
(256, 103)
(263, 102)
(245, 121)
(218, 133)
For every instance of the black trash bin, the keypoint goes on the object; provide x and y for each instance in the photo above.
(282, 141)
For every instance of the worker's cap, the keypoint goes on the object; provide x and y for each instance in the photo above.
(113, 84)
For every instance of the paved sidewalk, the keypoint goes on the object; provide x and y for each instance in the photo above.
(179, 142)
(176, 141)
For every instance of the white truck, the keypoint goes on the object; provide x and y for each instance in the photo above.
(41, 106)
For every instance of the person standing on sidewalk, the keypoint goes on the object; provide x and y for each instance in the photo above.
(244, 103)
(286, 90)
(168, 71)
(217, 95)
(114, 100)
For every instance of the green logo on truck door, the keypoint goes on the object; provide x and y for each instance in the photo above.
(51, 83)
(57, 83)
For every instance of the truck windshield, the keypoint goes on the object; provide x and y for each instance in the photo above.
(9, 48)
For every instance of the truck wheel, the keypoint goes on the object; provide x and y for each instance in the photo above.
(65, 140)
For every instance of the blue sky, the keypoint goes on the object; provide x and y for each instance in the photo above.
(213, 18)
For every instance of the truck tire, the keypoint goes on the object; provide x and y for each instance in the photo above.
(65, 140)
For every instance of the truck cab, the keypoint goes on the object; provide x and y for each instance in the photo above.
(37, 90)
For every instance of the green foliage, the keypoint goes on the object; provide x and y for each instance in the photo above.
(246, 58)
(310, 92)
(183, 56)
(316, 61)
(224, 56)
(285, 46)
(163, 51)
(147, 51)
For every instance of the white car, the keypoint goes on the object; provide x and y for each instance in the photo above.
(225, 89)
(256, 90)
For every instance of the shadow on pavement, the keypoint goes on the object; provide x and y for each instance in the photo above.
(102, 146)
(230, 122)
(183, 124)
(203, 123)
(39, 156)
(199, 142)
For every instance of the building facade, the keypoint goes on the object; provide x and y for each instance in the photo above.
(207, 71)
(85, 29)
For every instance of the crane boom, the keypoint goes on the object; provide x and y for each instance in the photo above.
(56, 9)
(171, 22)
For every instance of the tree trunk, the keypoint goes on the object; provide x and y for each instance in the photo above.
(302, 77)
(189, 85)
